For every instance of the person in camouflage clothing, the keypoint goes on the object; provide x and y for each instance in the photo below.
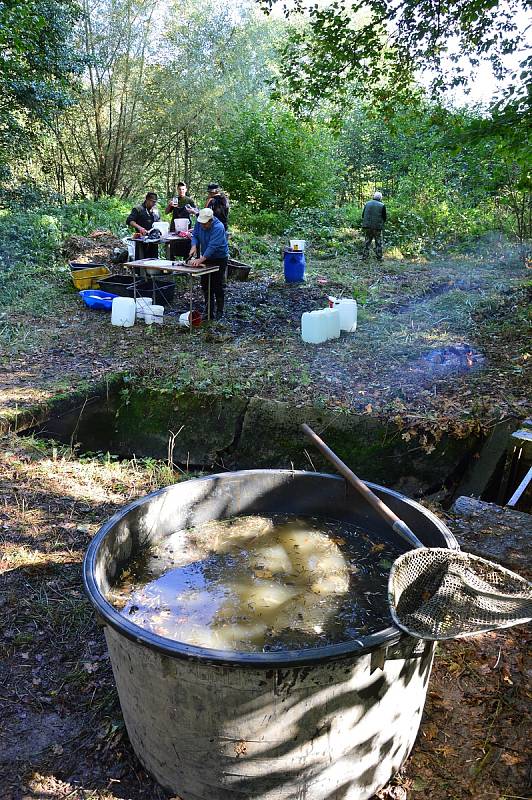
(373, 219)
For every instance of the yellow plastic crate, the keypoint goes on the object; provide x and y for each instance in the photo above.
(88, 278)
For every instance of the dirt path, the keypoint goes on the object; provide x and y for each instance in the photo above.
(61, 731)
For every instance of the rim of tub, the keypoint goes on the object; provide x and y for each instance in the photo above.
(386, 637)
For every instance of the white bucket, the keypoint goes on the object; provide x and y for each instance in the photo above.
(123, 312)
(181, 224)
(297, 244)
(143, 306)
(162, 226)
(131, 249)
(157, 313)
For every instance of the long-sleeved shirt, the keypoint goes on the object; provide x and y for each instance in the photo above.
(143, 217)
(212, 241)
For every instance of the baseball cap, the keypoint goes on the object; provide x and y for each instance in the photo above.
(205, 215)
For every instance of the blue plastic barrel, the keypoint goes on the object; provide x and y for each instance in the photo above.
(294, 265)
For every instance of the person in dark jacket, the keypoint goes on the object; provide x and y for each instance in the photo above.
(142, 219)
(218, 202)
(373, 219)
(209, 235)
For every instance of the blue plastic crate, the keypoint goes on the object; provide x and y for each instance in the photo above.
(95, 298)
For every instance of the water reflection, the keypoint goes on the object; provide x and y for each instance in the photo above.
(260, 583)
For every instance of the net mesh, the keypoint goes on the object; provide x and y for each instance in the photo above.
(435, 593)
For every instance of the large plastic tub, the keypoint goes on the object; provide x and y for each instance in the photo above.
(87, 275)
(120, 285)
(320, 724)
(95, 298)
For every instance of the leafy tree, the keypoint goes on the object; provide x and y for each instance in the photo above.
(379, 44)
(36, 64)
(270, 160)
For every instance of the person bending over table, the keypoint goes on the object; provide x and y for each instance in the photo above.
(209, 235)
(142, 219)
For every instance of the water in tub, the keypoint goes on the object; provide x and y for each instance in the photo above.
(260, 583)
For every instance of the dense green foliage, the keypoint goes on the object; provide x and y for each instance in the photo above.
(37, 61)
(378, 45)
(271, 161)
(186, 93)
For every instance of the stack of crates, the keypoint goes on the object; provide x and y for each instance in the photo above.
(87, 275)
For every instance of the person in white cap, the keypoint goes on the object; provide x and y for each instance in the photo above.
(373, 219)
(210, 237)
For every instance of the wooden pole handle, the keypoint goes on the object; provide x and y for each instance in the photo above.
(395, 522)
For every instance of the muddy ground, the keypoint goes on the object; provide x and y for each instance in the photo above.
(414, 318)
(61, 733)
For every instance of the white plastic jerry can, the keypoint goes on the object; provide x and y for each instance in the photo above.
(123, 312)
(348, 314)
(332, 322)
(347, 307)
(313, 327)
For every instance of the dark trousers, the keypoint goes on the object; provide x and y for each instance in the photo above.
(218, 279)
(373, 234)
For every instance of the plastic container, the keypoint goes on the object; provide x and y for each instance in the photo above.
(348, 312)
(131, 249)
(294, 266)
(162, 288)
(313, 327)
(123, 312)
(239, 272)
(335, 721)
(121, 285)
(184, 319)
(162, 226)
(94, 298)
(157, 313)
(332, 322)
(85, 276)
(143, 306)
(148, 318)
(297, 244)
(181, 224)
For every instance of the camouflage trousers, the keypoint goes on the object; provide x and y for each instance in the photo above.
(369, 235)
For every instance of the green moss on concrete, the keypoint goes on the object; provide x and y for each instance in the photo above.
(271, 436)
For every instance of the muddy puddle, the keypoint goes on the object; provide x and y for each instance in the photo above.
(260, 584)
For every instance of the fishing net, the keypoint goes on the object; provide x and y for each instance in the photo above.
(436, 593)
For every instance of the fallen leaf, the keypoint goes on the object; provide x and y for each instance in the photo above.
(511, 759)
